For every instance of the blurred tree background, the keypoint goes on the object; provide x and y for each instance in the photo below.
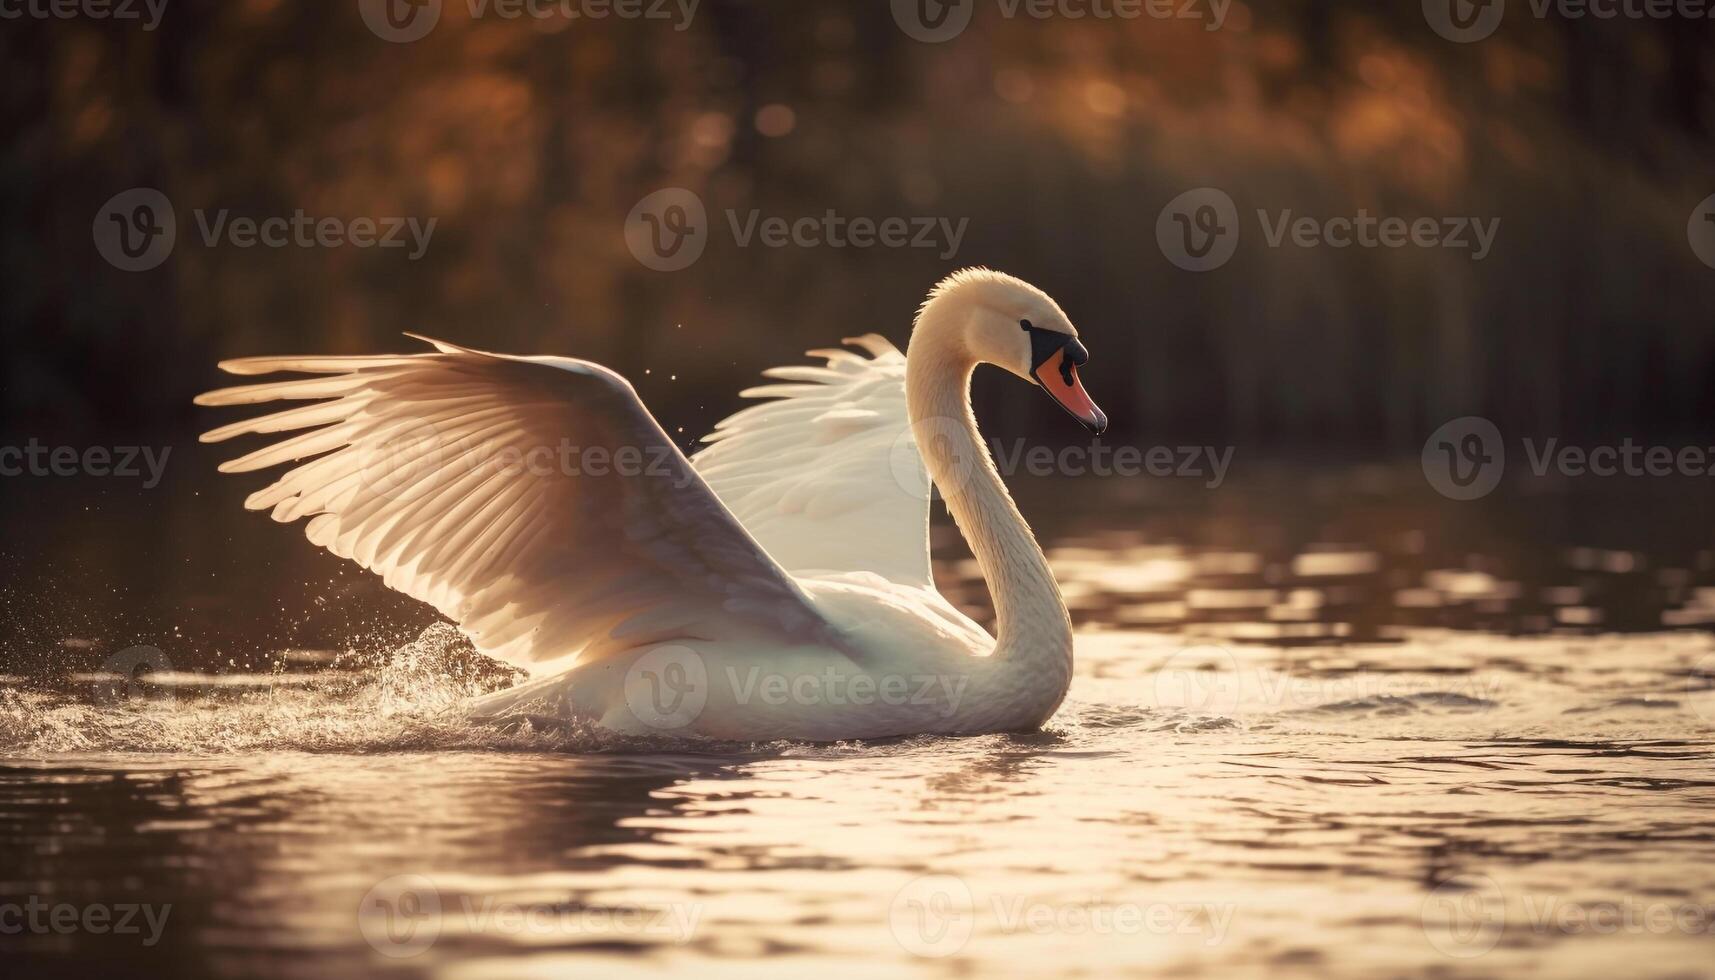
(529, 141)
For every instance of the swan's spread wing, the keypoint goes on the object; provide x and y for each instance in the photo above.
(826, 473)
(533, 500)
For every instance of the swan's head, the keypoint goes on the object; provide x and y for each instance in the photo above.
(1011, 324)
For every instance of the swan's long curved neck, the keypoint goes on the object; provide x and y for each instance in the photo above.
(1033, 630)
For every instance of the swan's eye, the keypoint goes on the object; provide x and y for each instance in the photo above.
(1044, 344)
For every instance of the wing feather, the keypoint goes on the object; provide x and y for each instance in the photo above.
(825, 473)
(446, 474)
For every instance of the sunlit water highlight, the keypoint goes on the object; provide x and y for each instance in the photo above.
(1459, 802)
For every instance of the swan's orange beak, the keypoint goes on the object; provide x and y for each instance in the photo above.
(1059, 377)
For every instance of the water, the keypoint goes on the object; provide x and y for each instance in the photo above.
(1373, 753)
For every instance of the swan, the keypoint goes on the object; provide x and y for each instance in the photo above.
(774, 586)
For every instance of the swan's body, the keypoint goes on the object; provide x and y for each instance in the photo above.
(778, 588)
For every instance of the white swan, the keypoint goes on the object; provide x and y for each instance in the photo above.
(780, 588)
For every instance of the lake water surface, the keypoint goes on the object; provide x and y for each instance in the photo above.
(1342, 761)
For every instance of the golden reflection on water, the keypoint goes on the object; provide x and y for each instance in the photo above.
(1449, 803)
(1411, 799)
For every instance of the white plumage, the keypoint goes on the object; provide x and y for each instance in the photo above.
(538, 504)
(825, 474)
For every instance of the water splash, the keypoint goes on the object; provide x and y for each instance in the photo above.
(402, 699)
